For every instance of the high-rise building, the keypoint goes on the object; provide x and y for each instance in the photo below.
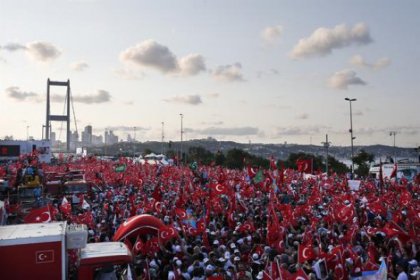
(110, 138)
(87, 136)
(97, 140)
(74, 136)
(53, 137)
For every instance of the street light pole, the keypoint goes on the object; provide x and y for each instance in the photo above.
(163, 138)
(393, 133)
(182, 131)
(326, 146)
(27, 132)
(351, 135)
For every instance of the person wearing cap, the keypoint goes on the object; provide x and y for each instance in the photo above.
(256, 264)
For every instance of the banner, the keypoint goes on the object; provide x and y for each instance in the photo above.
(380, 274)
(354, 185)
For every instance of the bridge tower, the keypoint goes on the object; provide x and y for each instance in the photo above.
(60, 118)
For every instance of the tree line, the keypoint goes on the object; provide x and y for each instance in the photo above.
(238, 159)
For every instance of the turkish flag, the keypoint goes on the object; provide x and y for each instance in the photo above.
(278, 245)
(405, 198)
(138, 246)
(45, 256)
(345, 214)
(391, 229)
(247, 226)
(166, 233)
(219, 189)
(65, 207)
(180, 213)
(299, 275)
(251, 172)
(39, 215)
(304, 165)
(306, 253)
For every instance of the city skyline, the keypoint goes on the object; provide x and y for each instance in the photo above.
(266, 72)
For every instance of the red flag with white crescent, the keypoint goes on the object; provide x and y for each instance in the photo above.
(65, 207)
(166, 233)
(39, 215)
(299, 275)
(180, 213)
(305, 253)
(138, 246)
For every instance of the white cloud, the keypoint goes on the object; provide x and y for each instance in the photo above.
(151, 54)
(271, 33)
(39, 51)
(100, 96)
(358, 60)
(229, 73)
(342, 79)
(19, 95)
(187, 99)
(123, 128)
(42, 51)
(192, 64)
(79, 66)
(302, 116)
(297, 131)
(13, 47)
(323, 40)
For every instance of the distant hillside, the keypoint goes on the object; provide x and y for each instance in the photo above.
(279, 151)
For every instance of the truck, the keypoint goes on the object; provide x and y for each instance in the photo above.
(42, 251)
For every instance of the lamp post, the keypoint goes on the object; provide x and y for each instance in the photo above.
(351, 135)
(326, 146)
(182, 131)
(163, 138)
(393, 133)
(27, 132)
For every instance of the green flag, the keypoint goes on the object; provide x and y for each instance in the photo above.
(120, 168)
(259, 177)
(194, 166)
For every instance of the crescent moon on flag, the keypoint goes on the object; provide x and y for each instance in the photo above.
(48, 215)
(137, 246)
(304, 253)
(164, 234)
(42, 257)
(219, 188)
(300, 278)
(191, 231)
(281, 229)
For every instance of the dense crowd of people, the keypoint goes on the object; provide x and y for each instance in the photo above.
(251, 223)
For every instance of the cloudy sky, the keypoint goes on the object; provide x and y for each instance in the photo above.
(260, 71)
